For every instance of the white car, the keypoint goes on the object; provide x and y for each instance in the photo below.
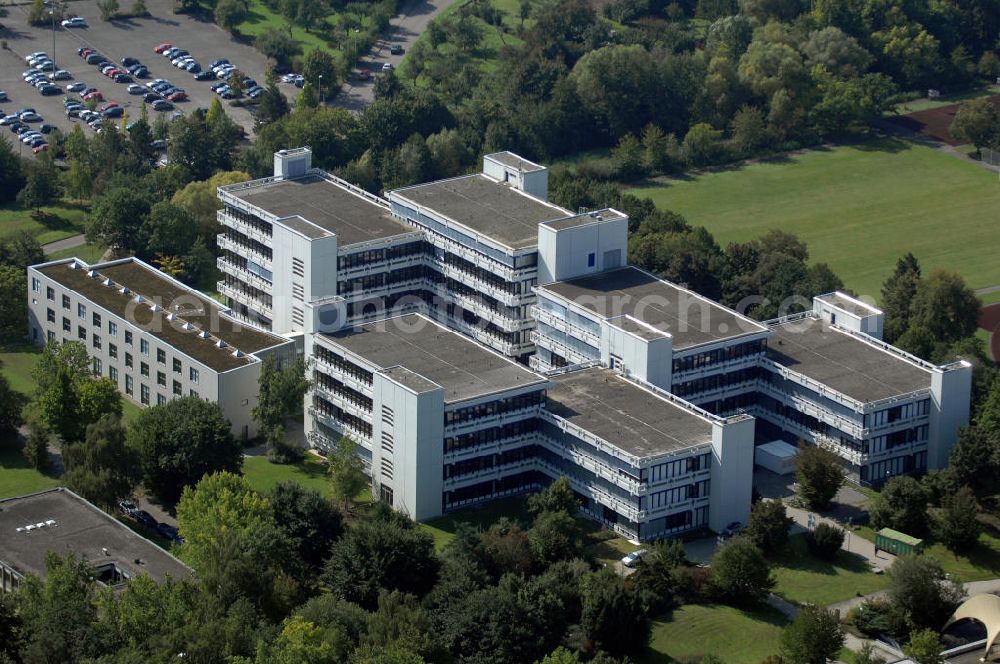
(631, 559)
(37, 54)
(75, 22)
(76, 87)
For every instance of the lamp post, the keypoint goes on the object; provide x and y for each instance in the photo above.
(52, 14)
(320, 95)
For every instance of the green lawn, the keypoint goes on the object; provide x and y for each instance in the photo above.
(17, 477)
(695, 630)
(804, 578)
(17, 363)
(89, 253)
(264, 475)
(979, 564)
(858, 207)
(57, 221)
(924, 104)
(990, 298)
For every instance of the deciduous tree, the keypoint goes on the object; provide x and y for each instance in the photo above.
(818, 474)
(901, 505)
(814, 637)
(740, 573)
(102, 468)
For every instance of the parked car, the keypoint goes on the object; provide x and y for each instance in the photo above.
(127, 507)
(139, 71)
(396, 49)
(387, 67)
(162, 105)
(76, 87)
(75, 22)
(136, 89)
(158, 144)
(61, 75)
(122, 77)
(177, 95)
(128, 61)
(40, 148)
(30, 116)
(192, 67)
(162, 47)
(151, 98)
(28, 136)
(84, 51)
(33, 55)
(95, 59)
(113, 112)
(3, 96)
(48, 89)
(219, 61)
(86, 91)
(733, 529)
(631, 559)
(96, 96)
(170, 533)
(205, 75)
(145, 518)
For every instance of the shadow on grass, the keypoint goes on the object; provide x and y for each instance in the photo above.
(52, 221)
(888, 145)
(796, 556)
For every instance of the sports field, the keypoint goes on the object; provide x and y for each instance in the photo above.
(858, 207)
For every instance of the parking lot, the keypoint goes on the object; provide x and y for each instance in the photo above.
(127, 37)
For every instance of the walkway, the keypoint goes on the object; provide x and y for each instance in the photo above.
(65, 243)
(404, 29)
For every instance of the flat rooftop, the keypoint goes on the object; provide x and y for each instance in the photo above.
(78, 527)
(487, 207)
(584, 219)
(326, 205)
(843, 362)
(692, 320)
(848, 304)
(624, 414)
(508, 158)
(189, 306)
(421, 354)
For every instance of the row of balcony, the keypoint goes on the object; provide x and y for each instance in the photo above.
(243, 297)
(345, 378)
(226, 219)
(355, 434)
(245, 251)
(567, 328)
(243, 274)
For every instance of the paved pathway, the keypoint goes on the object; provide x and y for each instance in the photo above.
(404, 29)
(985, 290)
(66, 243)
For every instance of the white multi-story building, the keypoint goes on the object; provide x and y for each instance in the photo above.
(444, 423)
(154, 337)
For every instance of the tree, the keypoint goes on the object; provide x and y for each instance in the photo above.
(386, 553)
(866, 655)
(924, 647)
(20, 250)
(740, 573)
(618, 87)
(347, 472)
(956, 525)
(319, 63)
(117, 219)
(102, 468)
(898, 292)
(836, 52)
(57, 613)
(702, 144)
(70, 356)
(901, 505)
(179, 442)
(818, 474)
(280, 394)
(977, 122)
(277, 44)
(109, 9)
(615, 616)
(231, 537)
(59, 405)
(557, 497)
(273, 105)
(824, 541)
(230, 13)
(555, 535)
(768, 525)
(170, 230)
(310, 522)
(975, 459)
(748, 130)
(307, 98)
(36, 442)
(945, 306)
(11, 172)
(41, 187)
(96, 397)
(918, 587)
(658, 570)
(814, 637)
(13, 312)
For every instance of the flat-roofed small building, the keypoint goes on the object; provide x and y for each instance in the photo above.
(154, 337)
(644, 462)
(441, 421)
(59, 521)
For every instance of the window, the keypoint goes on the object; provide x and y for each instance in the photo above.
(65, 301)
(143, 346)
(193, 375)
(177, 365)
(81, 311)
(81, 332)
(113, 351)
(128, 359)
(160, 399)
(161, 378)
(129, 387)
(36, 285)
(143, 368)
(177, 388)
(112, 328)
(144, 394)
(192, 393)
(161, 356)
(97, 366)
(97, 320)
(591, 259)
(50, 336)
(67, 326)
(96, 342)
(128, 337)
(113, 374)
(50, 315)
(50, 293)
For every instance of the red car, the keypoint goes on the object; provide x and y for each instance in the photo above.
(40, 148)
(110, 104)
(111, 72)
(96, 96)
(178, 96)
(84, 52)
(162, 47)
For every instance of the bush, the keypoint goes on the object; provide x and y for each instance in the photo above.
(876, 617)
(768, 525)
(825, 541)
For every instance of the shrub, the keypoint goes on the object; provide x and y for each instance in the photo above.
(824, 541)
(876, 617)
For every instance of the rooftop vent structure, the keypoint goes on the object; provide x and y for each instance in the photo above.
(220, 344)
(108, 282)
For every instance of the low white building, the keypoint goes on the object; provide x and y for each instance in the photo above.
(156, 338)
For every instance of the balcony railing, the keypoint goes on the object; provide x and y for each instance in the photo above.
(351, 432)
(245, 251)
(242, 297)
(250, 230)
(243, 274)
(493, 447)
(562, 325)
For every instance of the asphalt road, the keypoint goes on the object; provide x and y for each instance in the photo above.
(404, 29)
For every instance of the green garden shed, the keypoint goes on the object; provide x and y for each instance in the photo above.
(898, 543)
